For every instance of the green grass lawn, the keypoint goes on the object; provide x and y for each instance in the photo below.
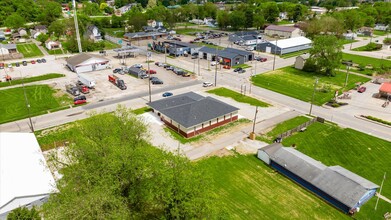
(110, 45)
(294, 54)
(41, 98)
(31, 79)
(379, 33)
(249, 189)
(363, 60)
(116, 32)
(360, 153)
(188, 31)
(243, 66)
(281, 128)
(238, 97)
(299, 84)
(346, 41)
(54, 52)
(282, 22)
(142, 110)
(29, 50)
(365, 48)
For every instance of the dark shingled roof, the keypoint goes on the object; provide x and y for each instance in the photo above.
(240, 52)
(336, 181)
(281, 28)
(191, 109)
(182, 44)
(207, 50)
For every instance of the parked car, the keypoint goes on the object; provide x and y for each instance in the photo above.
(43, 60)
(238, 69)
(150, 72)
(153, 78)
(138, 65)
(362, 89)
(160, 64)
(227, 67)
(33, 62)
(1, 65)
(24, 63)
(79, 100)
(157, 81)
(194, 56)
(169, 68)
(186, 74)
(144, 76)
(207, 84)
(9, 65)
(117, 70)
(17, 64)
(39, 61)
(242, 71)
(167, 94)
(263, 59)
(213, 63)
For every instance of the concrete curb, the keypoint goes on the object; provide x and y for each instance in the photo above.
(375, 122)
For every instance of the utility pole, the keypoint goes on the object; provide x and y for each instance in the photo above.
(76, 27)
(347, 74)
(149, 75)
(252, 134)
(216, 68)
(275, 52)
(165, 54)
(381, 187)
(313, 95)
(199, 73)
(27, 104)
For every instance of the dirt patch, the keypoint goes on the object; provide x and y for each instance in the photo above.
(221, 153)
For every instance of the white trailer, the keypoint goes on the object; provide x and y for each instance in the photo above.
(87, 80)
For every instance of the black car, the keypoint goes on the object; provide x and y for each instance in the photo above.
(242, 71)
(116, 70)
(24, 63)
(157, 81)
(39, 61)
(17, 64)
(153, 78)
(43, 60)
(81, 97)
(238, 69)
(170, 68)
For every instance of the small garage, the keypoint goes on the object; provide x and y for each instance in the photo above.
(82, 63)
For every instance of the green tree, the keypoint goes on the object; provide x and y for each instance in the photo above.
(151, 3)
(223, 19)
(14, 21)
(57, 28)
(353, 20)
(270, 11)
(110, 171)
(42, 38)
(259, 21)
(237, 20)
(91, 9)
(50, 11)
(23, 213)
(326, 53)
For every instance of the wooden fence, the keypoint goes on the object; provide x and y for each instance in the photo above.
(301, 127)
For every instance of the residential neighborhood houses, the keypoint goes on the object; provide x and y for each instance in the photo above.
(117, 104)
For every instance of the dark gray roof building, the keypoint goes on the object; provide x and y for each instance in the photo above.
(345, 190)
(192, 113)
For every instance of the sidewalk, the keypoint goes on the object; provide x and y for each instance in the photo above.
(235, 137)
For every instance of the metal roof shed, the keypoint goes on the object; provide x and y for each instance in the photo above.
(25, 177)
(286, 45)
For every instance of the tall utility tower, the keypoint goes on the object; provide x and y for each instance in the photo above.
(76, 27)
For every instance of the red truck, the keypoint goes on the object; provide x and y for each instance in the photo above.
(150, 72)
(83, 88)
(117, 81)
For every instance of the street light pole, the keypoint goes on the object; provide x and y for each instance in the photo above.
(313, 95)
(216, 68)
(275, 52)
(27, 104)
(347, 75)
(149, 76)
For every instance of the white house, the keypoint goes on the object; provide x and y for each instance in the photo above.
(350, 36)
(25, 179)
(52, 45)
(22, 32)
(381, 27)
(39, 29)
(87, 62)
(93, 33)
(152, 23)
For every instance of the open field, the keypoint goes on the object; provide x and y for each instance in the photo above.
(110, 45)
(117, 32)
(364, 61)
(237, 97)
(249, 189)
(210, 45)
(379, 33)
(294, 54)
(282, 127)
(55, 52)
(31, 79)
(188, 31)
(360, 153)
(41, 98)
(29, 50)
(299, 84)
(142, 110)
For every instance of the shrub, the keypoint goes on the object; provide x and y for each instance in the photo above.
(387, 41)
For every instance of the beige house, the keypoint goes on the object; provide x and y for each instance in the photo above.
(300, 60)
(282, 31)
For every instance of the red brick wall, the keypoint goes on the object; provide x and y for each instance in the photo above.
(206, 127)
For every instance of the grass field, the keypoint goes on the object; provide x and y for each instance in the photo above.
(360, 153)
(363, 60)
(243, 66)
(294, 54)
(29, 50)
(210, 45)
(41, 98)
(299, 84)
(31, 79)
(142, 110)
(116, 32)
(188, 31)
(379, 33)
(238, 97)
(249, 189)
(282, 127)
(110, 45)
